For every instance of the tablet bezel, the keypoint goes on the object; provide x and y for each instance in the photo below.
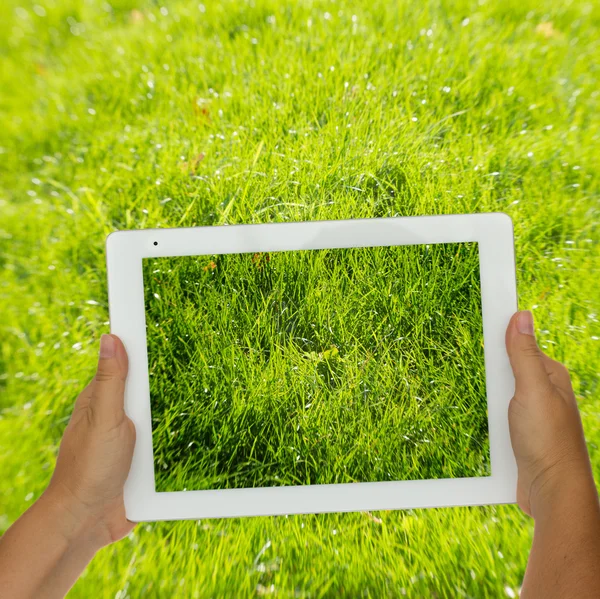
(494, 234)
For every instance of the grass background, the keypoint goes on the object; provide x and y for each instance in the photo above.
(310, 110)
(316, 367)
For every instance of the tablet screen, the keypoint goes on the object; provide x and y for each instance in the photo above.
(309, 367)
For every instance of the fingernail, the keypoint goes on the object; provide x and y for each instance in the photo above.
(107, 346)
(525, 323)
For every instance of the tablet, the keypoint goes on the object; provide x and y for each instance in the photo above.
(323, 366)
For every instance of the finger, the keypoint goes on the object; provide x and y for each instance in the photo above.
(558, 374)
(83, 399)
(526, 358)
(108, 388)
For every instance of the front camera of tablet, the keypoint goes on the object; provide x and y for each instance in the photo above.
(156, 243)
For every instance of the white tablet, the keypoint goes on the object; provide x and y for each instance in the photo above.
(316, 366)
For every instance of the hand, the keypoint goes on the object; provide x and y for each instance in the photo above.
(545, 426)
(96, 450)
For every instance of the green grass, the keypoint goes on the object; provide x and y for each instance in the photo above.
(316, 367)
(98, 134)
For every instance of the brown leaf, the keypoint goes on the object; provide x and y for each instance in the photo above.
(374, 518)
(547, 30)
(136, 16)
(191, 165)
(200, 109)
(260, 258)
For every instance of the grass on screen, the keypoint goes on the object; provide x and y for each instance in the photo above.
(126, 114)
(316, 367)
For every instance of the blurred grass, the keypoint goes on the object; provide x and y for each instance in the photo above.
(314, 110)
(316, 367)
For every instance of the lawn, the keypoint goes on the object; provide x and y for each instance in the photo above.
(316, 367)
(121, 115)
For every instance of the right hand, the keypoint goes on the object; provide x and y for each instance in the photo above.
(545, 426)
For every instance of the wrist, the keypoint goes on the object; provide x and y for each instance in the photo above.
(566, 487)
(73, 521)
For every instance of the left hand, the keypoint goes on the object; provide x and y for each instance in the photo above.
(96, 451)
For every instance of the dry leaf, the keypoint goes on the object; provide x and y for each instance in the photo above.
(191, 165)
(260, 258)
(374, 518)
(136, 16)
(547, 30)
(198, 105)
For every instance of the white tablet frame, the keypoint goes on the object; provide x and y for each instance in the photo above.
(493, 232)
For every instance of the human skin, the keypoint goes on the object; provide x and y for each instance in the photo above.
(43, 553)
(555, 481)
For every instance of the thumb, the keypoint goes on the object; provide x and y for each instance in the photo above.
(108, 385)
(526, 358)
